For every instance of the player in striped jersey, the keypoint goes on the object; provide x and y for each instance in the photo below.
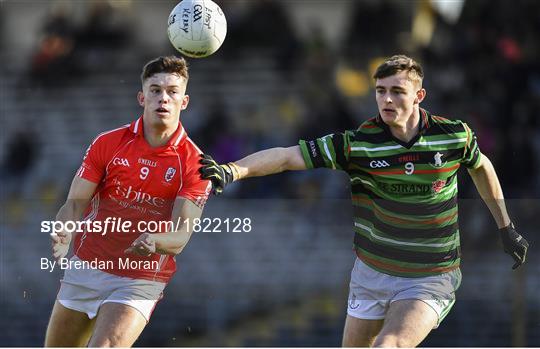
(403, 171)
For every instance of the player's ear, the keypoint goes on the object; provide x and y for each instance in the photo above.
(185, 102)
(420, 95)
(140, 98)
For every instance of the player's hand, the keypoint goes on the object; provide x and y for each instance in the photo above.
(514, 244)
(144, 245)
(60, 244)
(220, 175)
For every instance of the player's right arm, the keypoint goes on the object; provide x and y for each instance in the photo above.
(80, 193)
(267, 162)
(262, 163)
(331, 151)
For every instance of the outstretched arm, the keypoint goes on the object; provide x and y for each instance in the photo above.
(258, 164)
(487, 184)
(269, 161)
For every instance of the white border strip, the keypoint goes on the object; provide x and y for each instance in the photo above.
(328, 153)
(397, 242)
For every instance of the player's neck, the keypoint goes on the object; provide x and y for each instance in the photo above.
(157, 137)
(407, 131)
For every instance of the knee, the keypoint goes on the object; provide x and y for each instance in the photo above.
(109, 341)
(390, 341)
(356, 342)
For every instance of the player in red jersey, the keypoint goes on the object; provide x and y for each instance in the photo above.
(141, 172)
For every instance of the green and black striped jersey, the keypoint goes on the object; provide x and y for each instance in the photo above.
(404, 194)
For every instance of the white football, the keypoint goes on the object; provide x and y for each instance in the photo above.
(197, 28)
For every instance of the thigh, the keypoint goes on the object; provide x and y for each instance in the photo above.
(407, 323)
(68, 328)
(360, 332)
(117, 325)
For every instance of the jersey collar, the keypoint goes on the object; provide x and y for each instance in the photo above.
(177, 138)
(425, 123)
(425, 119)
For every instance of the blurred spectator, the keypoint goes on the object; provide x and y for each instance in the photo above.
(375, 27)
(3, 28)
(67, 50)
(518, 163)
(104, 28)
(106, 31)
(218, 136)
(53, 61)
(21, 155)
(267, 27)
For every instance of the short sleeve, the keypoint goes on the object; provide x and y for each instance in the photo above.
(471, 155)
(193, 187)
(94, 161)
(331, 151)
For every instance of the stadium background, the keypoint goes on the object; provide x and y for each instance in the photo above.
(288, 69)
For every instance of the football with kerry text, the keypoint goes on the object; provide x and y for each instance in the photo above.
(197, 28)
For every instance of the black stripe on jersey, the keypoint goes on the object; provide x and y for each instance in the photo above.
(416, 208)
(444, 129)
(373, 138)
(418, 157)
(339, 149)
(475, 157)
(366, 175)
(473, 147)
(434, 128)
(404, 255)
(403, 232)
(408, 208)
(315, 153)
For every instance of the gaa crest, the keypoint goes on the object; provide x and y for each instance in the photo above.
(170, 174)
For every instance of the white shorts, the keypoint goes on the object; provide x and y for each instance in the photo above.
(85, 290)
(371, 292)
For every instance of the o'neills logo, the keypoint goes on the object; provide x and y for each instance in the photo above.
(409, 158)
(147, 162)
(313, 148)
(138, 196)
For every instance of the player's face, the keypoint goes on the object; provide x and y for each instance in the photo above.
(396, 98)
(163, 97)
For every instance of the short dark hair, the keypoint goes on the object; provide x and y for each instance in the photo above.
(165, 64)
(397, 64)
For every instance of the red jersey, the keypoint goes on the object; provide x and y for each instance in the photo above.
(137, 183)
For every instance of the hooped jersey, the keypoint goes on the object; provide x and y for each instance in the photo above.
(404, 195)
(136, 183)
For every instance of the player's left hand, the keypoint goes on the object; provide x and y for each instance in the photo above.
(144, 245)
(514, 244)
